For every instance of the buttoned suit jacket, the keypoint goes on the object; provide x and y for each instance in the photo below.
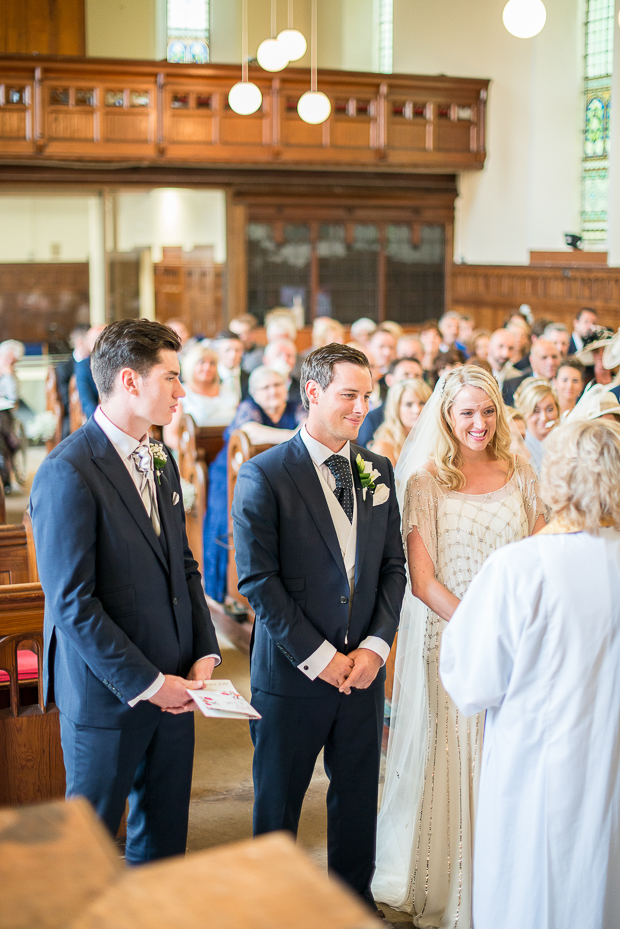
(291, 569)
(121, 604)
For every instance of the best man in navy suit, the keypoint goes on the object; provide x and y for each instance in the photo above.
(127, 628)
(321, 561)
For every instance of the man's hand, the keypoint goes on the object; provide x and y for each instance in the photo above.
(365, 669)
(338, 670)
(202, 670)
(173, 697)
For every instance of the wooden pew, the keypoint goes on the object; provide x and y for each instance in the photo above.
(18, 563)
(76, 414)
(30, 752)
(195, 472)
(54, 405)
(2, 505)
(209, 442)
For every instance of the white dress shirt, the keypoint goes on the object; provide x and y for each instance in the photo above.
(126, 445)
(347, 539)
(230, 379)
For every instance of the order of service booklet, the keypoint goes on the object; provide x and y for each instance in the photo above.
(222, 699)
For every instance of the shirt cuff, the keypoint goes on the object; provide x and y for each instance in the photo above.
(318, 660)
(376, 645)
(218, 660)
(150, 691)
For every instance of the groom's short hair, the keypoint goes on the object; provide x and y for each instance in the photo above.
(129, 343)
(319, 366)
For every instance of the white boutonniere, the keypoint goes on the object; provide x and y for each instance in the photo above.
(159, 459)
(367, 474)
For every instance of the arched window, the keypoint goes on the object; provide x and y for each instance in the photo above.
(188, 31)
(597, 102)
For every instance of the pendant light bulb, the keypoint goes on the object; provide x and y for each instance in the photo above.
(314, 107)
(271, 55)
(524, 18)
(244, 98)
(293, 43)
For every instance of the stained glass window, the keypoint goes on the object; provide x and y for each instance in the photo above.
(386, 35)
(597, 103)
(188, 31)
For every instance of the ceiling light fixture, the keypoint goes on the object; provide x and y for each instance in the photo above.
(271, 54)
(292, 40)
(313, 107)
(524, 18)
(244, 97)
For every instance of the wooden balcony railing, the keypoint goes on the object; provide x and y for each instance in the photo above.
(109, 110)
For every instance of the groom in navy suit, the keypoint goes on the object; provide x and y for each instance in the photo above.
(320, 558)
(127, 628)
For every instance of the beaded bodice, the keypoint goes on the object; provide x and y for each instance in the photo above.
(472, 526)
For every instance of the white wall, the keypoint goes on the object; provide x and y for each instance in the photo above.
(44, 228)
(529, 192)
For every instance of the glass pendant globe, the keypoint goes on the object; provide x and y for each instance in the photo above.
(294, 43)
(314, 107)
(271, 55)
(244, 98)
(524, 18)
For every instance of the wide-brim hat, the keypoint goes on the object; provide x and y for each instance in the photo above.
(611, 355)
(595, 402)
(586, 354)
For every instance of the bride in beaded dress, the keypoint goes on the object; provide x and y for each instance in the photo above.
(463, 495)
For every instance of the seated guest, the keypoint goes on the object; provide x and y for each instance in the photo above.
(596, 403)
(11, 351)
(559, 335)
(84, 381)
(522, 332)
(481, 362)
(466, 329)
(362, 329)
(599, 369)
(584, 324)
(537, 402)
(444, 362)
(268, 418)
(536, 643)
(409, 346)
(499, 352)
(430, 337)
(326, 330)
(404, 403)
(399, 370)
(187, 340)
(204, 401)
(66, 369)
(229, 348)
(449, 328)
(382, 346)
(478, 345)
(544, 361)
(279, 324)
(281, 355)
(245, 326)
(395, 328)
(569, 383)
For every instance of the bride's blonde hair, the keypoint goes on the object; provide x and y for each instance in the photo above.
(446, 456)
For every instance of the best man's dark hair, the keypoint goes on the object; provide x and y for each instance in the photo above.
(129, 343)
(319, 366)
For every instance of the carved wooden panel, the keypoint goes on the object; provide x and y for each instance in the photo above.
(489, 293)
(105, 108)
(188, 286)
(41, 26)
(42, 302)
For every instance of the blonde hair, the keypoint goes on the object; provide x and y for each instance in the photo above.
(530, 392)
(580, 479)
(391, 429)
(195, 354)
(320, 328)
(447, 457)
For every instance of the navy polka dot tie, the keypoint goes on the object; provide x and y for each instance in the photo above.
(341, 469)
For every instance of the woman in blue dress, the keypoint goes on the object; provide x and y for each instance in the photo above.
(267, 418)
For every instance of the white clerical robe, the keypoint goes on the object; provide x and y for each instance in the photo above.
(536, 642)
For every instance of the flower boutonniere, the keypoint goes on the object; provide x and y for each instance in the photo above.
(367, 474)
(159, 459)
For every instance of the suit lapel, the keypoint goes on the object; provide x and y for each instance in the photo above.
(166, 516)
(109, 462)
(300, 466)
(364, 512)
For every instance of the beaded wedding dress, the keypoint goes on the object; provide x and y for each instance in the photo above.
(425, 827)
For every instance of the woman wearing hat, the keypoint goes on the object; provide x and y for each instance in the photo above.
(602, 353)
(597, 403)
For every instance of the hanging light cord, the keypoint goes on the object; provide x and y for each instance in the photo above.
(290, 14)
(313, 58)
(244, 40)
(274, 18)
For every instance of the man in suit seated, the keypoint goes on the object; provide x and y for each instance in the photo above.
(401, 369)
(127, 630)
(544, 363)
(584, 324)
(66, 369)
(234, 380)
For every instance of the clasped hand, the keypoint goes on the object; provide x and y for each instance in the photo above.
(356, 670)
(172, 696)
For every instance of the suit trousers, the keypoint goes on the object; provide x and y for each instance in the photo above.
(152, 765)
(287, 742)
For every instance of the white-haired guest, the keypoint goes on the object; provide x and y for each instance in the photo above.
(535, 642)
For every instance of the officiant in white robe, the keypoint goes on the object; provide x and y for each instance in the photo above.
(536, 642)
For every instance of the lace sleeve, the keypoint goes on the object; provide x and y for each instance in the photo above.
(420, 510)
(528, 482)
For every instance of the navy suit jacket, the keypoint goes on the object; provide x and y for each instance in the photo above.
(121, 604)
(86, 387)
(291, 569)
(370, 425)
